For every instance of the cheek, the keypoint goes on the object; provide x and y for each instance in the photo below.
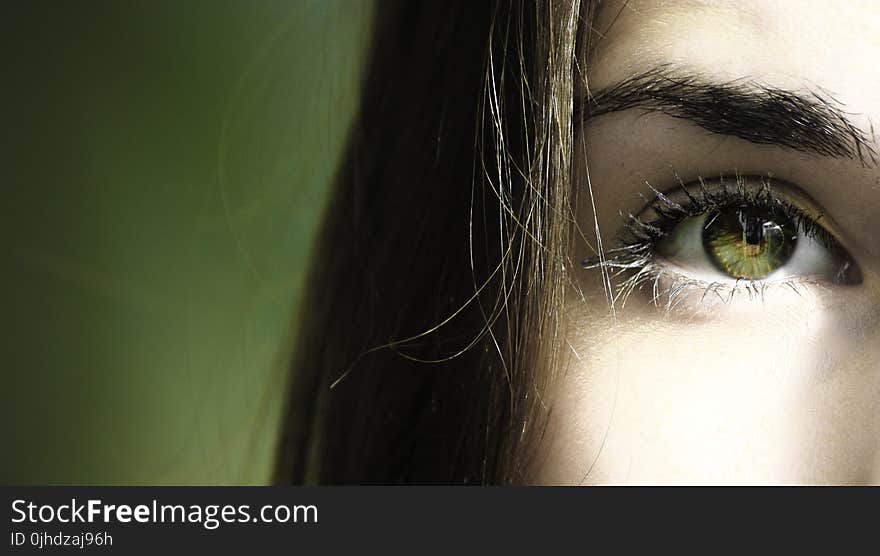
(781, 396)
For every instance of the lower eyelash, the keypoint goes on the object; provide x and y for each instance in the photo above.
(636, 257)
(669, 296)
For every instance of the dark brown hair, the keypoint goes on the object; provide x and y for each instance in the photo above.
(439, 275)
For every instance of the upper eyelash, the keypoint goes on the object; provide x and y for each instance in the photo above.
(704, 200)
(640, 236)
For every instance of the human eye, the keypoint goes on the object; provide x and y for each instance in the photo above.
(725, 237)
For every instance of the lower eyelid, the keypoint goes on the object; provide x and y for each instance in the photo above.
(677, 293)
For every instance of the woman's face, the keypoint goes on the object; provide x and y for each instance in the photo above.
(745, 345)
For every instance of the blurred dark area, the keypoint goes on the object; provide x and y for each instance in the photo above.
(165, 165)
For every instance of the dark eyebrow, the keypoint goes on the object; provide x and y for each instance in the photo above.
(812, 122)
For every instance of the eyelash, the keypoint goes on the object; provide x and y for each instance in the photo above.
(640, 237)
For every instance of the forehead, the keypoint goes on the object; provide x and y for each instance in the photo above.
(832, 45)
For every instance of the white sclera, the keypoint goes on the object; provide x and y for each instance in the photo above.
(683, 252)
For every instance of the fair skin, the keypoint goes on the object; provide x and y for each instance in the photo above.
(782, 387)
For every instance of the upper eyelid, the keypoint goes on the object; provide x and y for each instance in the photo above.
(639, 235)
(778, 189)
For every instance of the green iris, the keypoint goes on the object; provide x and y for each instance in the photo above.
(749, 242)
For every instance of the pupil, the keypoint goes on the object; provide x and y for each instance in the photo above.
(753, 227)
(747, 242)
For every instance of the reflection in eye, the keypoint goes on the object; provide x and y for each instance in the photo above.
(723, 236)
(746, 242)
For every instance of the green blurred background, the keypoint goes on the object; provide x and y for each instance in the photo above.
(165, 165)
